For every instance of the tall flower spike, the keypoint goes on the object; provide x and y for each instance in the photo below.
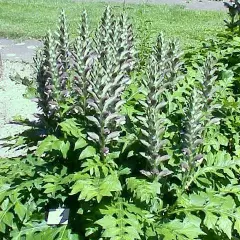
(168, 55)
(63, 51)
(156, 83)
(174, 64)
(208, 79)
(105, 100)
(199, 116)
(208, 89)
(125, 39)
(105, 32)
(193, 135)
(83, 58)
(47, 78)
(109, 79)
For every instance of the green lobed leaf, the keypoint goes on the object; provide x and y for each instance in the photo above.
(96, 188)
(210, 220)
(20, 210)
(80, 143)
(225, 224)
(64, 147)
(88, 152)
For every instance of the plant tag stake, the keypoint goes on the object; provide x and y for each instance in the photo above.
(58, 216)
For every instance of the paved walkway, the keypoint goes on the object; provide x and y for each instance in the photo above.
(212, 5)
(18, 50)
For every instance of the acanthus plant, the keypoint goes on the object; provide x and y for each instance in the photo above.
(225, 47)
(233, 12)
(53, 68)
(143, 168)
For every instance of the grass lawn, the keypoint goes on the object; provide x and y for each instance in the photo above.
(32, 18)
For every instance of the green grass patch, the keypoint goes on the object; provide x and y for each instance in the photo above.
(32, 18)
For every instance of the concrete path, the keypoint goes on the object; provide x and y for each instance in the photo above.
(14, 50)
(212, 5)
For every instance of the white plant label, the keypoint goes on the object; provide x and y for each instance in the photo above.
(58, 216)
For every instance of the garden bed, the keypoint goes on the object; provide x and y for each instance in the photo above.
(136, 140)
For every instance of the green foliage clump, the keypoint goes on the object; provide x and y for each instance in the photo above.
(135, 149)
